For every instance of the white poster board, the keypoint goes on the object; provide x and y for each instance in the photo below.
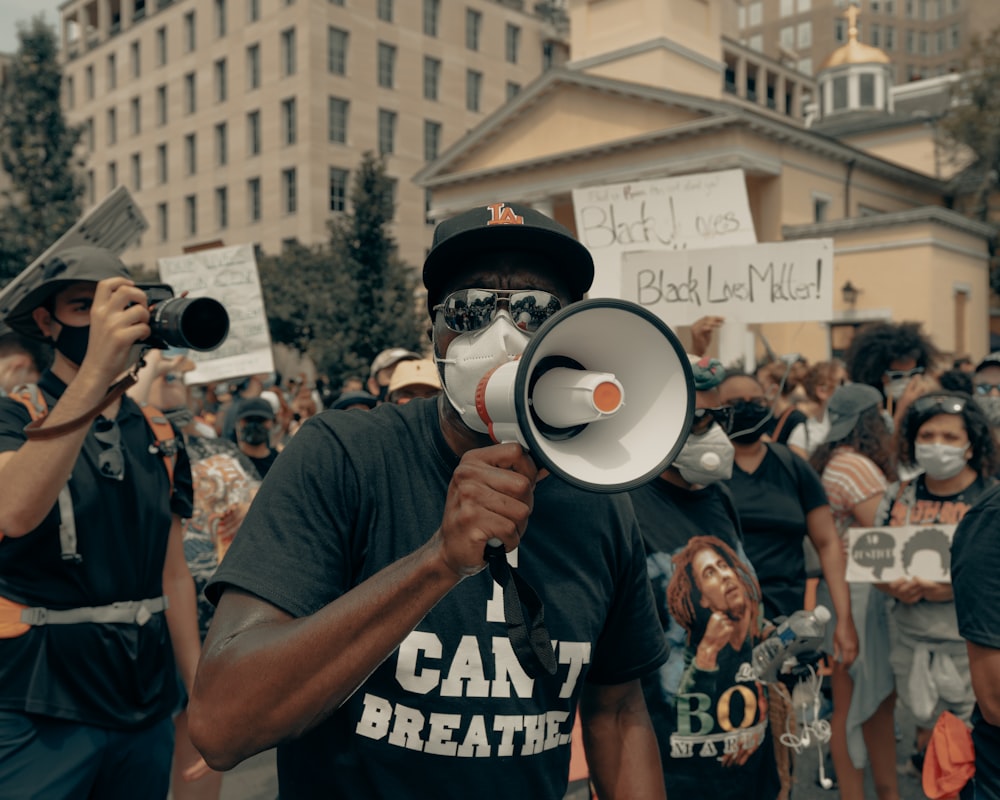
(686, 212)
(771, 282)
(880, 555)
(229, 275)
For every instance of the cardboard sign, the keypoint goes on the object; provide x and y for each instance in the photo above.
(880, 555)
(229, 275)
(772, 282)
(688, 212)
(114, 224)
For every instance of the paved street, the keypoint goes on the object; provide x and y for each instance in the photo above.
(255, 779)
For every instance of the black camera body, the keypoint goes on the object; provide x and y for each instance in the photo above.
(196, 323)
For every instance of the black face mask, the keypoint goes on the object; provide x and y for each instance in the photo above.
(72, 341)
(254, 432)
(748, 421)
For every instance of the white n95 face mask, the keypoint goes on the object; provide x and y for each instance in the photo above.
(471, 356)
(941, 461)
(706, 458)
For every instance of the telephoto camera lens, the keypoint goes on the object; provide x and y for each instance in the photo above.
(198, 323)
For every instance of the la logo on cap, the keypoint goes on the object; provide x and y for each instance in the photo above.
(501, 215)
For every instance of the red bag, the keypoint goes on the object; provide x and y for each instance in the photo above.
(951, 759)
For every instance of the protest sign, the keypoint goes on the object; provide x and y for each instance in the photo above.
(771, 282)
(880, 555)
(229, 275)
(668, 214)
(114, 224)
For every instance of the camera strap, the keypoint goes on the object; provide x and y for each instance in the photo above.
(34, 429)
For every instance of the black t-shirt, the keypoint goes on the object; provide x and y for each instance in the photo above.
(773, 503)
(975, 577)
(451, 708)
(698, 714)
(263, 464)
(111, 675)
(792, 419)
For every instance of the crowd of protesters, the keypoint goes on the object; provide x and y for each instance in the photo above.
(890, 436)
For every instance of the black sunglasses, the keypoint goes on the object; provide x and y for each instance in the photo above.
(704, 417)
(111, 461)
(895, 374)
(985, 388)
(472, 309)
(930, 405)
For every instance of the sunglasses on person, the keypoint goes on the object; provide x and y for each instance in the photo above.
(470, 310)
(984, 389)
(111, 461)
(930, 405)
(896, 374)
(704, 417)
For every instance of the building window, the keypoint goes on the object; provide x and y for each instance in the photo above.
(253, 67)
(338, 189)
(253, 199)
(804, 6)
(136, 166)
(432, 77)
(288, 121)
(911, 42)
(220, 81)
(821, 208)
(512, 43)
(221, 207)
(432, 139)
(288, 52)
(112, 126)
(756, 43)
(112, 175)
(112, 72)
(161, 163)
(804, 35)
(88, 76)
(786, 8)
(190, 94)
(190, 37)
(253, 10)
(839, 93)
(786, 37)
(70, 92)
(890, 38)
(386, 131)
(221, 144)
(161, 46)
(432, 12)
(473, 26)
(289, 191)
(136, 59)
(135, 111)
(473, 89)
(386, 65)
(876, 35)
(191, 154)
(161, 221)
(336, 51)
(191, 214)
(513, 90)
(385, 10)
(220, 18)
(755, 13)
(956, 36)
(866, 86)
(88, 134)
(337, 123)
(253, 133)
(840, 30)
(90, 188)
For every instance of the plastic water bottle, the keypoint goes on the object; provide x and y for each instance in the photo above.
(803, 631)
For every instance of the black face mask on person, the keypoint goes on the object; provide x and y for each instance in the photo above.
(749, 419)
(254, 432)
(72, 341)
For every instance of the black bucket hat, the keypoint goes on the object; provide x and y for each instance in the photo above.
(74, 264)
(505, 225)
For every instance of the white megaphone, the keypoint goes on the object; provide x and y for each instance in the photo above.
(603, 396)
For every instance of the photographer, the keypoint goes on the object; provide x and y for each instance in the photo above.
(87, 635)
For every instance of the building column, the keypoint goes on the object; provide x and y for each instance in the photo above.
(103, 20)
(741, 77)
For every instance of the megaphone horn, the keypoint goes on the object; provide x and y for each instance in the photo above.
(602, 396)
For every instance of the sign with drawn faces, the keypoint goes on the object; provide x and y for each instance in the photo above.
(229, 275)
(881, 555)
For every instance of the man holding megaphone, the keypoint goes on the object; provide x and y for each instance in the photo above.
(358, 627)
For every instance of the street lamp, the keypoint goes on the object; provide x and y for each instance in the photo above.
(850, 293)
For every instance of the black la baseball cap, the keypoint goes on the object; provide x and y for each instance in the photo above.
(502, 226)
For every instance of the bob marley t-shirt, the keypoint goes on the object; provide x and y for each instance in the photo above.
(707, 707)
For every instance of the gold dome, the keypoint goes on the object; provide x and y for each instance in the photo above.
(854, 52)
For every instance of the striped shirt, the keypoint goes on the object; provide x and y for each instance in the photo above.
(849, 479)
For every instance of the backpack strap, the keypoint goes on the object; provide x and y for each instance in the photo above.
(781, 422)
(165, 439)
(31, 397)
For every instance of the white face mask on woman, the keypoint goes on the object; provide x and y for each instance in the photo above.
(941, 461)
(706, 458)
(471, 356)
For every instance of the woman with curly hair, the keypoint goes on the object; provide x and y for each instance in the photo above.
(856, 463)
(947, 435)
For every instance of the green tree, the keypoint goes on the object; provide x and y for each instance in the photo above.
(345, 301)
(36, 151)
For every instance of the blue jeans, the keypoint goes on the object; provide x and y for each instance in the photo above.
(42, 758)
